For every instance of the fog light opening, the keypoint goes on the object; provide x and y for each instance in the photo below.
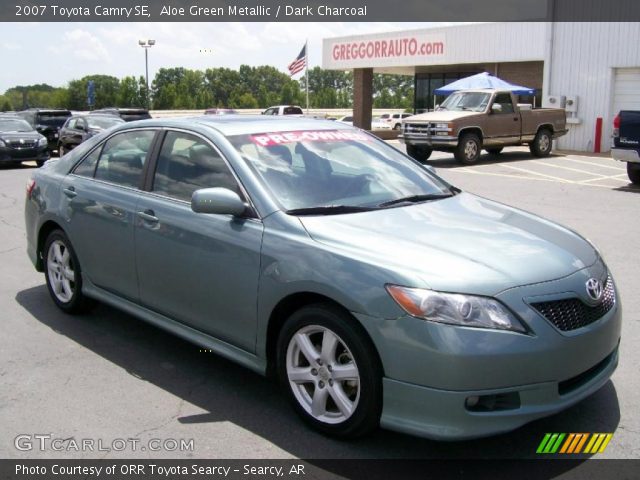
(493, 403)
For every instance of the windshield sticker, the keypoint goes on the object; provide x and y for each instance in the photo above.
(267, 139)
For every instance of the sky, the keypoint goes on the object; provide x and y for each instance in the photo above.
(55, 53)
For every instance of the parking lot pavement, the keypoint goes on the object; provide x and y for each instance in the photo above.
(107, 376)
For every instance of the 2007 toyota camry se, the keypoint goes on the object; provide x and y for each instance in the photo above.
(378, 293)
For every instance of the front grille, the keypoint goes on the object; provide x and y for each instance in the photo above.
(23, 144)
(572, 313)
(421, 128)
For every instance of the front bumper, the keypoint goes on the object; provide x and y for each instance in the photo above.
(431, 369)
(625, 155)
(443, 415)
(429, 140)
(11, 155)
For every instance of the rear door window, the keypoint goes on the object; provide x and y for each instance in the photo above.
(123, 157)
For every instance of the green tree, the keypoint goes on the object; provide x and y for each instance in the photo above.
(106, 92)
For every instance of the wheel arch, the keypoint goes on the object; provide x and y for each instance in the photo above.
(292, 303)
(45, 229)
(545, 126)
(476, 130)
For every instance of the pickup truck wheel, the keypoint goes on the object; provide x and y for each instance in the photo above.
(468, 149)
(396, 126)
(633, 171)
(541, 146)
(418, 152)
(494, 151)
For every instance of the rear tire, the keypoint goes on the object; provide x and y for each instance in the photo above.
(542, 143)
(494, 151)
(420, 153)
(468, 150)
(633, 172)
(330, 371)
(63, 275)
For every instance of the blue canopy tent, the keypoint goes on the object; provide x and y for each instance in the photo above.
(483, 80)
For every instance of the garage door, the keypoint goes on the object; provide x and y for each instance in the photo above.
(626, 89)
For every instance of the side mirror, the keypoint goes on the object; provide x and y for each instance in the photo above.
(496, 108)
(221, 201)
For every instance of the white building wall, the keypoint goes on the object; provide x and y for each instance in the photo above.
(584, 56)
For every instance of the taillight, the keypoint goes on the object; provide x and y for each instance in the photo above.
(31, 184)
(616, 126)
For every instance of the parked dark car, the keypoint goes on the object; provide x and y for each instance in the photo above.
(626, 142)
(126, 114)
(19, 142)
(79, 128)
(46, 122)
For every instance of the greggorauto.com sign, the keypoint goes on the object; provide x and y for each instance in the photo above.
(380, 51)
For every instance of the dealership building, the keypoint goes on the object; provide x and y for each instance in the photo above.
(590, 69)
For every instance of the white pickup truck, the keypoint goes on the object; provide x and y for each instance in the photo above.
(284, 110)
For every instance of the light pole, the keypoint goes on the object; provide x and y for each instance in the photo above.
(146, 44)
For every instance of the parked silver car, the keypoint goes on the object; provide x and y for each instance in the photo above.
(376, 292)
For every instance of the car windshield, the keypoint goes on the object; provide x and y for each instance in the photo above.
(335, 168)
(101, 123)
(53, 119)
(473, 101)
(11, 125)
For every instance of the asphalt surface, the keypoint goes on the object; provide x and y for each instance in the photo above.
(107, 376)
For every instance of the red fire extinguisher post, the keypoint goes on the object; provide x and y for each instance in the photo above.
(598, 140)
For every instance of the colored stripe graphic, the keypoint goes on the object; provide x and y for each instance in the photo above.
(573, 443)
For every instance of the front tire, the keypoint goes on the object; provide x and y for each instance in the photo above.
(542, 143)
(63, 275)
(468, 150)
(330, 371)
(420, 153)
(633, 172)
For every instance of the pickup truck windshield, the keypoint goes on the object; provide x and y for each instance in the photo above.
(472, 101)
(335, 171)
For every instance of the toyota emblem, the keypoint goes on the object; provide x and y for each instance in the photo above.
(594, 289)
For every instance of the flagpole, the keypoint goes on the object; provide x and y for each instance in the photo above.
(306, 61)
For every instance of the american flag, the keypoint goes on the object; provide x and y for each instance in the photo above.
(299, 63)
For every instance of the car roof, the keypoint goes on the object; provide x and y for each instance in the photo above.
(244, 124)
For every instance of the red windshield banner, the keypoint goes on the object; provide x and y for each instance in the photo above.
(267, 139)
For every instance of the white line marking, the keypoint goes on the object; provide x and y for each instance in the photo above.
(595, 164)
(557, 179)
(537, 162)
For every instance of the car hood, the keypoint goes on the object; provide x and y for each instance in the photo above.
(11, 136)
(462, 243)
(441, 116)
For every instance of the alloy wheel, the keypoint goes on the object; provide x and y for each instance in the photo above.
(61, 271)
(322, 374)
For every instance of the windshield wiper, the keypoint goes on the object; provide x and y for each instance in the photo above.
(329, 210)
(416, 199)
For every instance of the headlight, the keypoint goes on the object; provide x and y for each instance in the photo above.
(455, 309)
(446, 126)
(43, 142)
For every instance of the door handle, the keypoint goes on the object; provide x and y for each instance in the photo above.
(148, 216)
(70, 192)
